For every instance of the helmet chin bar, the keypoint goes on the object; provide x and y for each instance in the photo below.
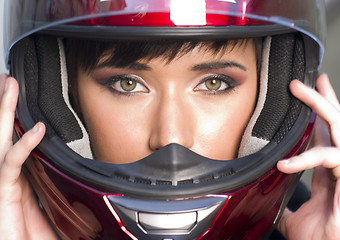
(257, 203)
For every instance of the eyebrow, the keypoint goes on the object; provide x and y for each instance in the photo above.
(198, 67)
(217, 65)
(133, 66)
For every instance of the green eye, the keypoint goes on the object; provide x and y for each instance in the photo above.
(128, 84)
(213, 84)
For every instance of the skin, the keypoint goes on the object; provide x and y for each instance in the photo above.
(319, 218)
(171, 104)
(18, 219)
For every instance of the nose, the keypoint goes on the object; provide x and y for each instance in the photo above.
(173, 122)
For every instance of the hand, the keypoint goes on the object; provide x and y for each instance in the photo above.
(319, 218)
(20, 216)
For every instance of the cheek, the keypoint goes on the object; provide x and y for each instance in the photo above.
(113, 140)
(115, 130)
(220, 135)
(221, 130)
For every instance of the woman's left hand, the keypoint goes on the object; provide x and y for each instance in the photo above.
(319, 218)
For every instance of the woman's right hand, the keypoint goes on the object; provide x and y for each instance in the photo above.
(20, 215)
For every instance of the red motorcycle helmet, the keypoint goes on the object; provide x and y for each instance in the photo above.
(174, 193)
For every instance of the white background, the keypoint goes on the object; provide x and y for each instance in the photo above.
(2, 61)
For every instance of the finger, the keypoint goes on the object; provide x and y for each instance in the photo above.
(320, 135)
(3, 79)
(336, 172)
(336, 203)
(321, 106)
(282, 224)
(314, 100)
(327, 157)
(325, 88)
(15, 157)
(8, 101)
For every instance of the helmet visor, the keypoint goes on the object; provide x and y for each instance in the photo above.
(98, 17)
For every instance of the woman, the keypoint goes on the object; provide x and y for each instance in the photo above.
(166, 101)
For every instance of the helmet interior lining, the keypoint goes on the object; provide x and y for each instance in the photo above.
(53, 72)
(82, 145)
(249, 143)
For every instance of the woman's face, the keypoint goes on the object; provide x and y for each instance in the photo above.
(201, 100)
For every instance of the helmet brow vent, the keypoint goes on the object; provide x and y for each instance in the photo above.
(187, 181)
(227, 172)
(142, 180)
(205, 178)
(161, 182)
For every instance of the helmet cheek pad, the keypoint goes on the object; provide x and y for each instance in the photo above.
(46, 92)
(283, 59)
(47, 95)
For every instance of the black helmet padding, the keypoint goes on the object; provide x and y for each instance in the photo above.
(46, 86)
(283, 59)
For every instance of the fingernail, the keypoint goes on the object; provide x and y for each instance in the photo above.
(6, 84)
(285, 161)
(36, 128)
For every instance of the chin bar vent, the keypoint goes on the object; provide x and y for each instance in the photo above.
(170, 220)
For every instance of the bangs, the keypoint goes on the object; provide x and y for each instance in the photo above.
(88, 54)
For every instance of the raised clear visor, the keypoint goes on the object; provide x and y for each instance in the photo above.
(22, 18)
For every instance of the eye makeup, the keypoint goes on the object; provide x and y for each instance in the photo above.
(216, 84)
(124, 84)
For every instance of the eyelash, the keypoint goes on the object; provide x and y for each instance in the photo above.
(230, 82)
